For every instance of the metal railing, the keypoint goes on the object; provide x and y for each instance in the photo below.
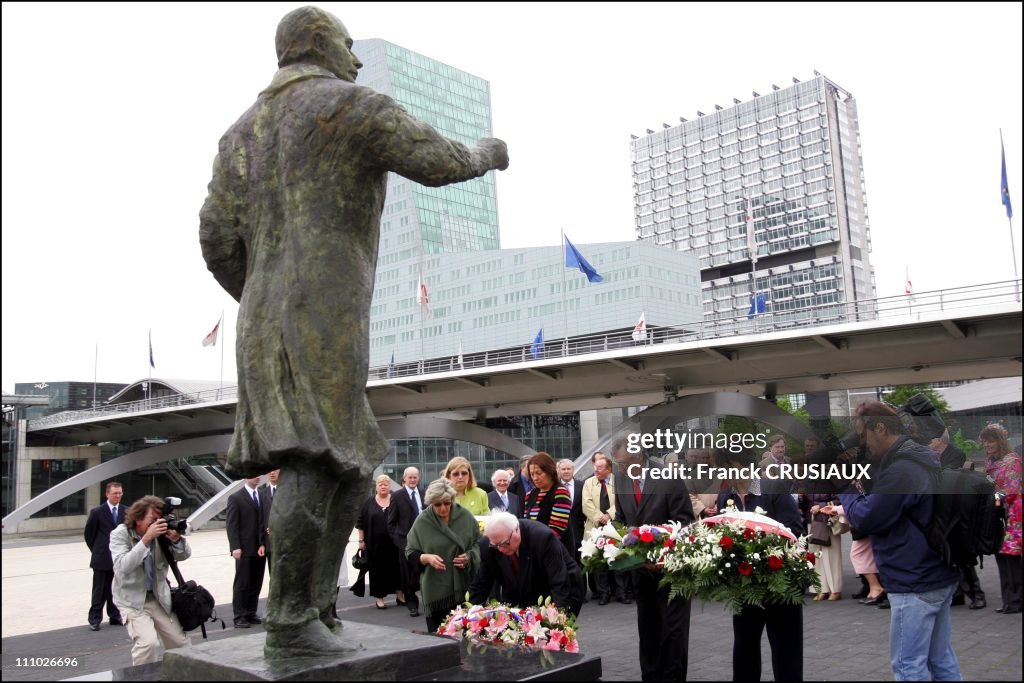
(785, 318)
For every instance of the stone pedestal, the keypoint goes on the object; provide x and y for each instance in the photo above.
(384, 654)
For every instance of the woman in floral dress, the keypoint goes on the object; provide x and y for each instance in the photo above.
(1004, 467)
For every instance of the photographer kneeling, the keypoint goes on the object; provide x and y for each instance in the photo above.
(140, 585)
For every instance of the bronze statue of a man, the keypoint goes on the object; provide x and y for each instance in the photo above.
(290, 229)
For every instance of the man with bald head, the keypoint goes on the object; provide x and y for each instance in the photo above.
(290, 229)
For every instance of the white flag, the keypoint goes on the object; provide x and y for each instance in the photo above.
(460, 355)
(908, 289)
(422, 298)
(211, 339)
(640, 330)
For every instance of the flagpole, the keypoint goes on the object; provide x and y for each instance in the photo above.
(1009, 216)
(565, 313)
(752, 248)
(95, 371)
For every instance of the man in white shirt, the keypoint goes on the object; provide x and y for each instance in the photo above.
(576, 518)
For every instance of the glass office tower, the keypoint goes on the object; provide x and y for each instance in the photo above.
(791, 157)
(420, 220)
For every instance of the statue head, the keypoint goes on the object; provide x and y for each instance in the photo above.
(310, 35)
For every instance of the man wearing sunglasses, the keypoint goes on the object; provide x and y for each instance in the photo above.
(529, 562)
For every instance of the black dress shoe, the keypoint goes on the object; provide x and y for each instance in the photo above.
(414, 612)
(1012, 611)
(884, 604)
(626, 601)
(254, 619)
(242, 623)
(877, 600)
(978, 603)
(1001, 609)
(604, 600)
(96, 627)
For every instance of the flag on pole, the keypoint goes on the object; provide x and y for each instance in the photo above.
(751, 243)
(459, 361)
(908, 288)
(537, 347)
(211, 339)
(422, 298)
(640, 329)
(391, 365)
(574, 259)
(151, 363)
(757, 305)
(1004, 187)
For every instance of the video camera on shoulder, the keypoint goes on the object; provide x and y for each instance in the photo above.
(173, 523)
(921, 420)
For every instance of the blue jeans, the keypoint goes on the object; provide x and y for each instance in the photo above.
(920, 637)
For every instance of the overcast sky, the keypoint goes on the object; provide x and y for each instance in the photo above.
(112, 113)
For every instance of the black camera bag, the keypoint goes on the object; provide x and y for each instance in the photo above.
(190, 602)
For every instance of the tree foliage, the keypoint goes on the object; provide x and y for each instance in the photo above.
(903, 392)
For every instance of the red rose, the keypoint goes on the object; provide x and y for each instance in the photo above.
(669, 543)
(646, 537)
(612, 541)
(726, 543)
(484, 623)
(749, 534)
(692, 538)
(774, 563)
(745, 569)
(529, 640)
(811, 558)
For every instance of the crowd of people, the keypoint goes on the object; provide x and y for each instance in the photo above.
(518, 540)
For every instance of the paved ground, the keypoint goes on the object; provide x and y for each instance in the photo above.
(46, 595)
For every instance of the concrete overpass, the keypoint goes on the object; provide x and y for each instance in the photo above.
(970, 342)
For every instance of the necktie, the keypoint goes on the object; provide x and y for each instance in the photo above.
(514, 559)
(504, 502)
(255, 498)
(604, 502)
(113, 511)
(416, 501)
(636, 490)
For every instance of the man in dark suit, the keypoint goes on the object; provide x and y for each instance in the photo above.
(577, 519)
(529, 562)
(408, 504)
(102, 520)
(663, 626)
(522, 484)
(267, 493)
(248, 547)
(501, 498)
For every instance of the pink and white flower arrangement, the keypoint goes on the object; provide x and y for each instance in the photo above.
(544, 627)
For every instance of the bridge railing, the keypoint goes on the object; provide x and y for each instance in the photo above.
(780, 315)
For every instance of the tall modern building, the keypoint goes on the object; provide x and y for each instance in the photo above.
(419, 221)
(792, 158)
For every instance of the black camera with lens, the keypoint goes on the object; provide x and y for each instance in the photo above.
(173, 523)
(921, 419)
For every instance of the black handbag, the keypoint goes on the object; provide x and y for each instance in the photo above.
(360, 561)
(820, 534)
(191, 603)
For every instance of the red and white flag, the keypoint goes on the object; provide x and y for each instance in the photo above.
(211, 339)
(422, 298)
(640, 329)
(908, 289)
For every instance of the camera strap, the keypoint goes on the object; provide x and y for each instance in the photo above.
(171, 562)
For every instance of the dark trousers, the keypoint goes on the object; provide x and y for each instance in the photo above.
(245, 595)
(1010, 581)
(663, 628)
(785, 635)
(969, 585)
(409, 574)
(101, 593)
(610, 583)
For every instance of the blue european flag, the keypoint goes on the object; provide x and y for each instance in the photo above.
(757, 304)
(1004, 187)
(537, 347)
(574, 259)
